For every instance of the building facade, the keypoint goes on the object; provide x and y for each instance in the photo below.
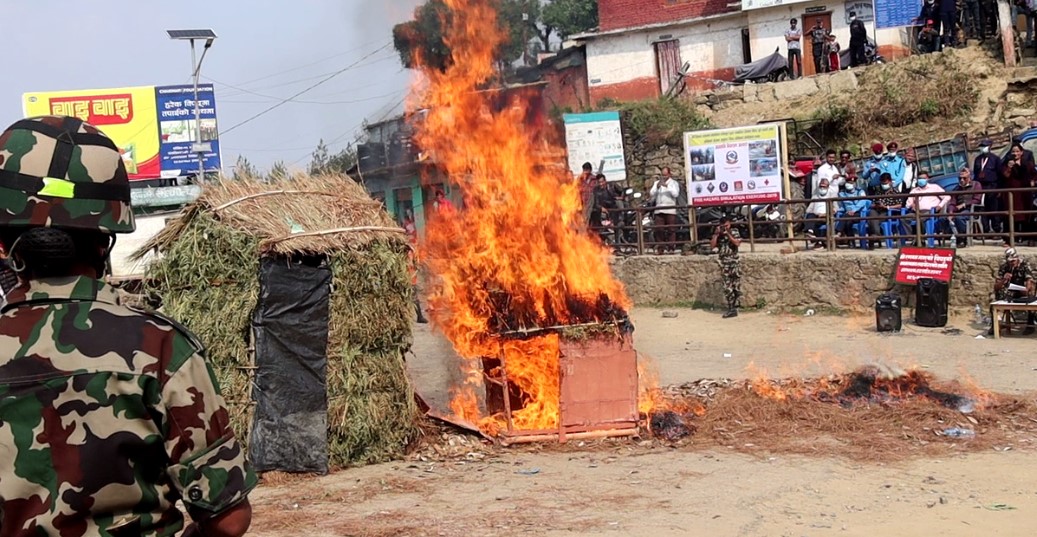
(641, 45)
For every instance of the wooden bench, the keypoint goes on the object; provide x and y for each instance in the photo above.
(1000, 307)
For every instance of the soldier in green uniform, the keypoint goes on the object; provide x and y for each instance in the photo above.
(108, 416)
(726, 241)
(1014, 271)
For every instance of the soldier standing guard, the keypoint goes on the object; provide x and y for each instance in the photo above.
(726, 241)
(108, 416)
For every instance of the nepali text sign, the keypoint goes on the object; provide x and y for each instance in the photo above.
(126, 115)
(760, 4)
(596, 138)
(733, 166)
(178, 129)
(896, 13)
(914, 264)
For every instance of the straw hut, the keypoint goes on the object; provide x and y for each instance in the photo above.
(300, 291)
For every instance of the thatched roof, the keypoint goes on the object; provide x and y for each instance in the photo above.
(301, 214)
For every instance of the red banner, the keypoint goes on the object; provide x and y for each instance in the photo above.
(916, 263)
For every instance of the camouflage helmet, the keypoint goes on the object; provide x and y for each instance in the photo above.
(61, 172)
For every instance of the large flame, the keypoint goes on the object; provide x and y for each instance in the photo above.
(515, 256)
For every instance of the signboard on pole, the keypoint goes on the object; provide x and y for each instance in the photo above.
(126, 115)
(153, 127)
(734, 166)
(896, 13)
(760, 4)
(177, 129)
(596, 138)
(915, 263)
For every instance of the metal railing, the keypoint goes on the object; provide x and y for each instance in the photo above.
(638, 231)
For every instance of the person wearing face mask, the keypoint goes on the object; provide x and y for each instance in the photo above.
(818, 209)
(929, 198)
(851, 210)
(895, 165)
(858, 37)
(968, 194)
(873, 166)
(885, 201)
(1020, 172)
(986, 170)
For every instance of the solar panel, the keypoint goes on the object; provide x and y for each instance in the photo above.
(191, 34)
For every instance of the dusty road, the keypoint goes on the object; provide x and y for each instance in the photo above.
(624, 489)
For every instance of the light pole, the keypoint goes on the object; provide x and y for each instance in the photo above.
(209, 36)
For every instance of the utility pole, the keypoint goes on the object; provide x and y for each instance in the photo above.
(199, 148)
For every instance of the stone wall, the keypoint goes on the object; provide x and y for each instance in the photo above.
(842, 281)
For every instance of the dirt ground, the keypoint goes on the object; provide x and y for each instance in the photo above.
(629, 488)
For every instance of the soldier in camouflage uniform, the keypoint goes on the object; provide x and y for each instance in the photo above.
(1015, 270)
(108, 416)
(726, 241)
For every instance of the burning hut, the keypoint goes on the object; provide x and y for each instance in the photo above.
(522, 290)
(300, 291)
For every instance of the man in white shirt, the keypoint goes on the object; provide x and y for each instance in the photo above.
(793, 36)
(829, 171)
(664, 193)
(818, 209)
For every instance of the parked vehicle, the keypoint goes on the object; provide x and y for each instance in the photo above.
(871, 55)
(773, 68)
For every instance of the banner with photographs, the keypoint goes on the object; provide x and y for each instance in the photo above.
(734, 166)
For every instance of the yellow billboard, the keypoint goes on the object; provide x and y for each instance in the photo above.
(129, 116)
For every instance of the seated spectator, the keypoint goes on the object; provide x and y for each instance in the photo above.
(818, 209)
(969, 194)
(885, 201)
(928, 199)
(851, 211)
(927, 38)
(1014, 271)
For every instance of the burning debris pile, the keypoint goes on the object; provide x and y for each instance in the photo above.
(519, 287)
(874, 412)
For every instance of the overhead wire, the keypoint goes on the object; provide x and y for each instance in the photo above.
(304, 91)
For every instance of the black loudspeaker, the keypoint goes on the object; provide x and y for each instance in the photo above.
(887, 313)
(931, 298)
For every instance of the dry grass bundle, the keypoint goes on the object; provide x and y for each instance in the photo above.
(208, 278)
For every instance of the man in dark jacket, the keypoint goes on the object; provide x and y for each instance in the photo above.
(858, 38)
(948, 16)
(987, 171)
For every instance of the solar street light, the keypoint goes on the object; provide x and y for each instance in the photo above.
(197, 35)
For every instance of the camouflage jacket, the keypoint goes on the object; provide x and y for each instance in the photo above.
(107, 418)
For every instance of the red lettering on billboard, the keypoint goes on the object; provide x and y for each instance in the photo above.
(96, 109)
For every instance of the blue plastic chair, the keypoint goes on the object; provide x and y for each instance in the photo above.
(861, 226)
(893, 226)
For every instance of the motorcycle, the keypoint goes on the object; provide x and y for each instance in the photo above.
(871, 55)
(773, 68)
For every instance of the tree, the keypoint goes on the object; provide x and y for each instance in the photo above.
(243, 169)
(319, 162)
(420, 41)
(278, 172)
(570, 17)
(324, 162)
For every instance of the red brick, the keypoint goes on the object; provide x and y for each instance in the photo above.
(619, 14)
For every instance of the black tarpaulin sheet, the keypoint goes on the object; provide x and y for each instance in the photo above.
(760, 68)
(289, 426)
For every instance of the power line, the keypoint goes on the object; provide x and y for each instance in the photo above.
(255, 91)
(352, 101)
(313, 63)
(285, 101)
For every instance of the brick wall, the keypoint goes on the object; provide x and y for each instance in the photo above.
(617, 14)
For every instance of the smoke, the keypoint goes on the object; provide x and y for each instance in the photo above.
(370, 19)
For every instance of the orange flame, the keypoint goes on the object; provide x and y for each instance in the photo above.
(514, 257)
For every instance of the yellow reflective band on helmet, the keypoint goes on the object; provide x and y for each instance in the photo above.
(58, 188)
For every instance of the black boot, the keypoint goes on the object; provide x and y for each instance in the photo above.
(731, 313)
